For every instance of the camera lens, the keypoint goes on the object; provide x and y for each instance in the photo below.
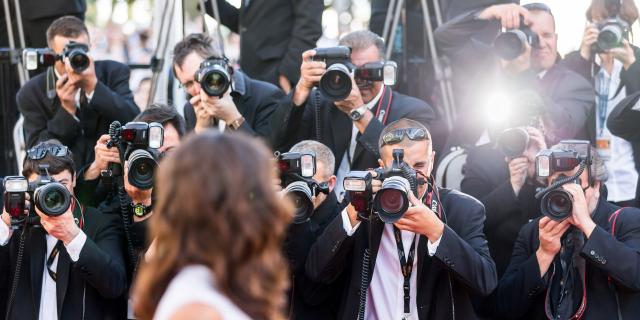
(557, 204)
(53, 199)
(335, 83)
(610, 37)
(513, 142)
(214, 80)
(510, 44)
(79, 60)
(142, 167)
(300, 194)
(391, 202)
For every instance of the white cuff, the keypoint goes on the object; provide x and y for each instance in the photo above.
(432, 247)
(636, 107)
(346, 223)
(75, 246)
(5, 233)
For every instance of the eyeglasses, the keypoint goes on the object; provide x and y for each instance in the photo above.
(396, 136)
(38, 153)
(186, 86)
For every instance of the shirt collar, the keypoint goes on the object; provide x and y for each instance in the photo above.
(375, 100)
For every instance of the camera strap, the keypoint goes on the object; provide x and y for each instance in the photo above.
(406, 265)
(380, 114)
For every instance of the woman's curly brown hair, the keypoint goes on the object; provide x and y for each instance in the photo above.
(217, 207)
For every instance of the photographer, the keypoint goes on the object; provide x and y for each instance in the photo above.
(310, 300)
(613, 69)
(72, 265)
(246, 105)
(579, 260)
(427, 264)
(623, 122)
(349, 127)
(75, 100)
(568, 98)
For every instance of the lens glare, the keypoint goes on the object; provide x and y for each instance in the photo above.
(391, 200)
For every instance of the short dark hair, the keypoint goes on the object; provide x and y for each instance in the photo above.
(363, 39)
(163, 114)
(66, 26)
(56, 164)
(200, 43)
(403, 123)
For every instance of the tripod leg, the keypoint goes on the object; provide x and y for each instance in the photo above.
(392, 36)
(387, 19)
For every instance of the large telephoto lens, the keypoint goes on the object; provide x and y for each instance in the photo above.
(79, 60)
(513, 142)
(300, 194)
(557, 204)
(391, 202)
(214, 80)
(142, 167)
(610, 37)
(335, 83)
(53, 199)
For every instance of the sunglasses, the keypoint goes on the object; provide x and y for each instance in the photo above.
(38, 153)
(396, 136)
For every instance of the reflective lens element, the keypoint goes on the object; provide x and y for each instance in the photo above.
(142, 167)
(301, 196)
(557, 204)
(513, 142)
(53, 199)
(335, 83)
(391, 202)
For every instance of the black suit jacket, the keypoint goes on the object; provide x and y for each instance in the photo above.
(44, 117)
(521, 291)
(462, 256)
(292, 124)
(256, 101)
(273, 34)
(486, 177)
(89, 285)
(623, 122)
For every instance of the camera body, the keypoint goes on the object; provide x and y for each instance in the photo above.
(391, 201)
(611, 34)
(511, 43)
(77, 54)
(335, 84)
(556, 203)
(296, 177)
(45, 57)
(214, 76)
(138, 142)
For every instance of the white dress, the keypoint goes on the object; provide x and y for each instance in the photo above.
(195, 284)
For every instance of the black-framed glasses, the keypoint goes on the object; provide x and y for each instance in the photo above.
(396, 136)
(38, 153)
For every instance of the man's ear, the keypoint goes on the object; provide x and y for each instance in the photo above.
(332, 183)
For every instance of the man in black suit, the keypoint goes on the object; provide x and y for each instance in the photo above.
(468, 40)
(273, 35)
(583, 266)
(450, 264)
(75, 108)
(247, 106)
(71, 265)
(350, 128)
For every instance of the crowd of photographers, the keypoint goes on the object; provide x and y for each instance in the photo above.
(545, 224)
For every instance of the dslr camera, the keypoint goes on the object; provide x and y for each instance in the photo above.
(611, 34)
(75, 51)
(214, 76)
(296, 176)
(137, 143)
(335, 84)
(556, 203)
(513, 142)
(392, 200)
(49, 196)
(511, 43)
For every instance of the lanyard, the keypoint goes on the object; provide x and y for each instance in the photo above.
(602, 99)
(406, 265)
(51, 258)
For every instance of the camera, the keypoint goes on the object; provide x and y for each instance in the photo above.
(335, 84)
(391, 201)
(214, 77)
(513, 142)
(296, 172)
(512, 43)
(45, 57)
(139, 141)
(557, 203)
(49, 196)
(611, 34)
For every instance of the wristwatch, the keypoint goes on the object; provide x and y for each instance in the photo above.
(237, 123)
(140, 210)
(357, 114)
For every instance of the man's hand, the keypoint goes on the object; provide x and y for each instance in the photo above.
(221, 108)
(310, 74)
(550, 233)
(62, 227)
(86, 80)
(284, 83)
(103, 157)
(624, 54)
(518, 168)
(67, 91)
(353, 101)
(589, 38)
(6, 218)
(536, 143)
(580, 216)
(421, 220)
(353, 215)
(508, 14)
(519, 64)
(203, 119)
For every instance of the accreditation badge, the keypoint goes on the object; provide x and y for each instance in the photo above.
(603, 147)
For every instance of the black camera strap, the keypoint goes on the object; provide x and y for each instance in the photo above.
(381, 114)
(406, 265)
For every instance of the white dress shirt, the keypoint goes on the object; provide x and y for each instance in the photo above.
(48, 297)
(385, 297)
(345, 165)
